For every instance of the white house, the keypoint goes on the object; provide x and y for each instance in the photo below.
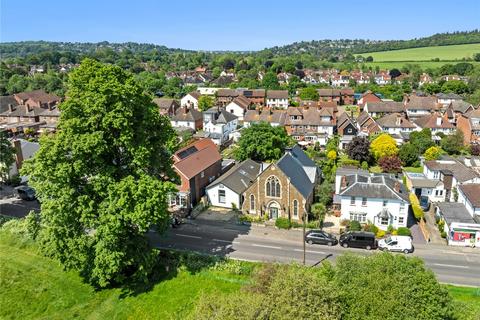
(378, 199)
(447, 98)
(436, 123)
(469, 195)
(426, 190)
(277, 99)
(188, 118)
(238, 106)
(228, 189)
(460, 227)
(395, 123)
(219, 124)
(190, 100)
(23, 150)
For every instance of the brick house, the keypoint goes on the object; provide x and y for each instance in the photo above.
(469, 123)
(37, 98)
(197, 164)
(284, 188)
(310, 125)
(167, 107)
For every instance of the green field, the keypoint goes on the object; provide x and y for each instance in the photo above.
(35, 287)
(444, 53)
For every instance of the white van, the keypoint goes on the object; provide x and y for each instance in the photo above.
(396, 243)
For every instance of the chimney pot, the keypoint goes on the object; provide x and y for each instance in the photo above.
(10, 107)
(439, 120)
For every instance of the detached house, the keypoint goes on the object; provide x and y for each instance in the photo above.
(190, 100)
(310, 125)
(436, 123)
(227, 191)
(418, 106)
(239, 106)
(381, 108)
(284, 188)
(346, 129)
(218, 124)
(396, 123)
(469, 123)
(167, 107)
(198, 164)
(375, 198)
(277, 99)
(366, 124)
(189, 118)
(368, 96)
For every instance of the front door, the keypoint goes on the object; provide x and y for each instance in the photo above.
(273, 213)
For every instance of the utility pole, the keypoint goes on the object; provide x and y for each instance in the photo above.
(303, 239)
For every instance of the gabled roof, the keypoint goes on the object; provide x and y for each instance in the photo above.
(164, 103)
(240, 177)
(329, 92)
(270, 116)
(395, 120)
(194, 94)
(385, 106)
(293, 169)
(310, 116)
(277, 94)
(242, 102)
(454, 212)
(39, 96)
(196, 157)
(5, 101)
(472, 193)
(430, 121)
(460, 171)
(460, 106)
(344, 120)
(23, 111)
(415, 102)
(225, 117)
(190, 115)
(452, 96)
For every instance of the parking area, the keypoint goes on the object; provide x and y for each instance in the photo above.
(12, 205)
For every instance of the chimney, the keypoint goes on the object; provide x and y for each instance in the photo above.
(398, 121)
(439, 120)
(184, 109)
(396, 186)
(17, 144)
(343, 182)
(10, 107)
(28, 108)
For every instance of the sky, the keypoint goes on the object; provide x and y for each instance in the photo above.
(231, 25)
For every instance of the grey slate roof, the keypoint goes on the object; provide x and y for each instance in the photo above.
(292, 168)
(240, 177)
(460, 171)
(454, 212)
(5, 101)
(372, 186)
(226, 117)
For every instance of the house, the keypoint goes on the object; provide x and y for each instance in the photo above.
(456, 108)
(37, 99)
(396, 123)
(469, 195)
(451, 173)
(425, 79)
(459, 226)
(340, 80)
(427, 190)
(310, 125)
(284, 188)
(330, 95)
(346, 129)
(418, 106)
(190, 100)
(224, 80)
(446, 98)
(436, 123)
(256, 96)
(167, 107)
(368, 96)
(227, 191)
(207, 91)
(239, 106)
(469, 124)
(24, 150)
(225, 96)
(274, 117)
(218, 124)
(382, 78)
(381, 108)
(277, 99)
(366, 124)
(185, 117)
(378, 199)
(348, 96)
(197, 165)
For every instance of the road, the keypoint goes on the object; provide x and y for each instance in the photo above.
(460, 266)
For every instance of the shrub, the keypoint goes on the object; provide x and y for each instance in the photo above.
(251, 218)
(417, 210)
(354, 226)
(390, 229)
(283, 223)
(380, 234)
(370, 227)
(344, 222)
(403, 231)
(443, 234)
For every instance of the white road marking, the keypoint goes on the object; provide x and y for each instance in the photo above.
(220, 240)
(264, 246)
(309, 251)
(450, 265)
(187, 236)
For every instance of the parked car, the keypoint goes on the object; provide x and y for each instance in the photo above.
(26, 193)
(396, 243)
(358, 239)
(320, 237)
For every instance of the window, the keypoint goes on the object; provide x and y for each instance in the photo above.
(221, 196)
(295, 208)
(400, 220)
(402, 206)
(352, 201)
(252, 202)
(360, 217)
(273, 187)
(435, 175)
(349, 130)
(438, 193)
(384, 221)
(385, 203)
(364, 201)
(202, 175)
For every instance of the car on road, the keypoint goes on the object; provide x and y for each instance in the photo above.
(320, 237)
(26, 193)
(358, 239)
(396, 243)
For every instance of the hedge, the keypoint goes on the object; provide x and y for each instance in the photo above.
(417, 210)
(403, 231)
(283, 223)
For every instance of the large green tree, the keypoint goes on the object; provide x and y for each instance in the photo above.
(7, 156)
(422, 140)
(104, 177)
(262, 142)
(452, 143)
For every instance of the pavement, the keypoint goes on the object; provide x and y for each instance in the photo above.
(453, 265)
(12, 205)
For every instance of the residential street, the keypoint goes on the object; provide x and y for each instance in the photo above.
(453, 265)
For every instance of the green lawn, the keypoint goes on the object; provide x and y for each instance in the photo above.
(384, 65)
(445, 53)
(35, 287)
(413, 169)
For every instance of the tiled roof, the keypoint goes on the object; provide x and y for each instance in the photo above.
(372, 186)
(270, 116)
(395, 120)
(472, 192)
(240, 177)
(461, 172)
(430, 121)
(190, 115)
(204, 155)
(415, 102)
(277, 94)
(385, 107)
(38, 95)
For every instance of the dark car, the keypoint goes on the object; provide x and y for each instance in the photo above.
(26, 193)
(358, 239)
(320, 237)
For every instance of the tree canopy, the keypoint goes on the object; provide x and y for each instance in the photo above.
(432, 153)
(309, 93)
(383, 146)
(262, 142)
(422, 140)
(408, 154)
(104, 177)
(359, 149)
(452, 143)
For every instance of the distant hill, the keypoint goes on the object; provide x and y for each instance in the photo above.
(442, 53)
(324, 48)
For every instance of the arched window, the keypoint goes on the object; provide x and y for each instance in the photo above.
(273, 188)
(252, 202)
(295, 208)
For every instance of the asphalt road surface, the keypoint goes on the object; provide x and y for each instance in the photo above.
(460, 266)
